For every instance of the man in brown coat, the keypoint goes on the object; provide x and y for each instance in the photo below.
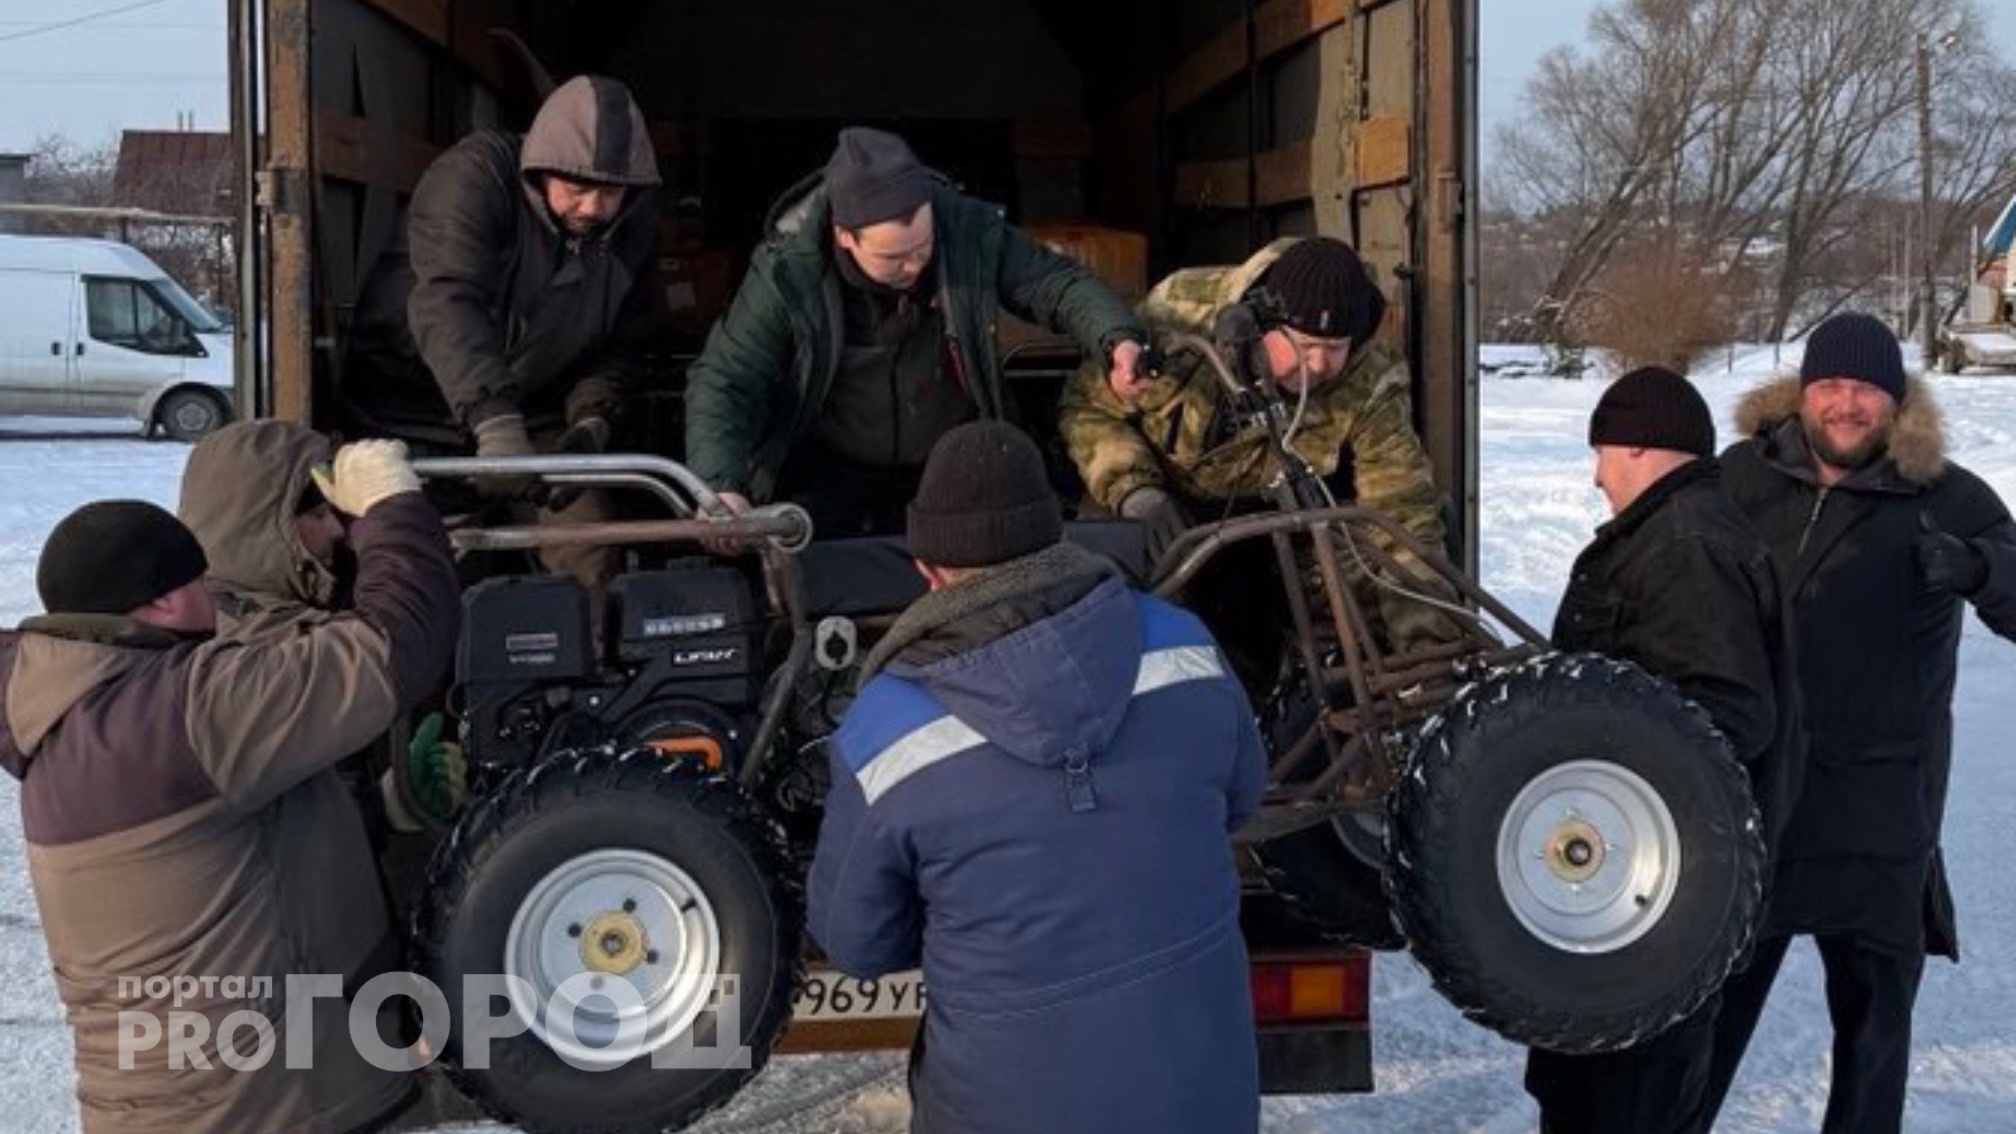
(189, 845)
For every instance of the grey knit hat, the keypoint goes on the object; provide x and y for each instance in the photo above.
(873, 177)
(984, 499)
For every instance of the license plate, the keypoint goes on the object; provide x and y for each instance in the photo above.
(828, 995)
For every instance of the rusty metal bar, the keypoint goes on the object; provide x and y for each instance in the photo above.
(1285, 765)
(1305, 631)
(1354, 637)
(1201, 544)
(286, 200)
(785, 579)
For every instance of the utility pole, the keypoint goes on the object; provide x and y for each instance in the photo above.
(1927, 301)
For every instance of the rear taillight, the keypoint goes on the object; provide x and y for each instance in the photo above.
(1311, 991)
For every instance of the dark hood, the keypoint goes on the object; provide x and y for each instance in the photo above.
(1039, 656)
(239, 494)
(56, 660)
(591, 130)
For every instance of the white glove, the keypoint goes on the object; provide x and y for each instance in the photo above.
(364, 473)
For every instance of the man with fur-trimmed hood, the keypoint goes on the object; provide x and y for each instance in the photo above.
(1879, 539)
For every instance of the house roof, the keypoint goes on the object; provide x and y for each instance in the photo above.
(175, 171)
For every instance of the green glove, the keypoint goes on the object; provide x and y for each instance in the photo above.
(436, 771)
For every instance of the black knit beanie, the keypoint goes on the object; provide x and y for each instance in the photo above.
(984, 499)
(1858, 346)
(1325, 291)
(1653, 408)
(873, 177)
(113, 556)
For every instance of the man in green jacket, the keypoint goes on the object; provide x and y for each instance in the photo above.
(865, 330)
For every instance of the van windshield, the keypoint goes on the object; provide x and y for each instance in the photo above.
(195, 314)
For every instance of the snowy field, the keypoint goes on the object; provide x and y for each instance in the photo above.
(1436, 1074)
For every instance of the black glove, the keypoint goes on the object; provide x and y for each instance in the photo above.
(1948, 564)
(1161, 517)
(589, 435)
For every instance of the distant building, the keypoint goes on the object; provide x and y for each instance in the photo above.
(187, 172)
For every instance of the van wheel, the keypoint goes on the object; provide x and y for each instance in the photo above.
(1577, 860)
(645, 923)
(190, 415)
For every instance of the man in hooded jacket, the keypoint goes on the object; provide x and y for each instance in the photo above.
(1882, 542)
(1032, 798)
(280, 564)
(184, 828)
(513, 312)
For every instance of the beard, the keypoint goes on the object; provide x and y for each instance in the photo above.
(1861, 455)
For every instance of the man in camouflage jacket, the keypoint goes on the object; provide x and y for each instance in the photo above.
(1171, 448)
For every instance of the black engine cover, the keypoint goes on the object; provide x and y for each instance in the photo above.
(690, 624)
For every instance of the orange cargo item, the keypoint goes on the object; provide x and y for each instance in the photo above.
(1117, 256)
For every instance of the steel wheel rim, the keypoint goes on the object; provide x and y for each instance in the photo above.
(573, 948)
(1589, 857)
(192, 415)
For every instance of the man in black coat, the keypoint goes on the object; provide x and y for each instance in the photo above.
(1680, 584)
(1880, 539)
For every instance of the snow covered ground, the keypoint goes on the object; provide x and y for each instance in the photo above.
(1436, 1073)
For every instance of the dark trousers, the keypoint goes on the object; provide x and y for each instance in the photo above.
(1869, 998)
(847, 498)
(1657, 1087)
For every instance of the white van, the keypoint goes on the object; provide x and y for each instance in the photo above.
(92, 328)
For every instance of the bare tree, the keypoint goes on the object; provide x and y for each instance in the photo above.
(1974, 163)
(1755, 136)
(1607, 130)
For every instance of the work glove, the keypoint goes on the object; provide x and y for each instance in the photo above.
(437, 780)
(1947, 564)
(505, 436)
(364, 473)
(1161, 517)
(589, 435)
